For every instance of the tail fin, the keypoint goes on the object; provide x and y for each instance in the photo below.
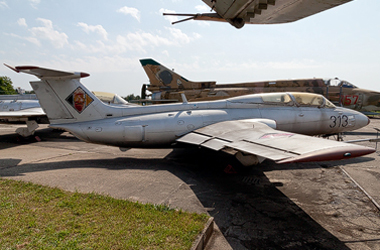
(161, 77)
(63, 97)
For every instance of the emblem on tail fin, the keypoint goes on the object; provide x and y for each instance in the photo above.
(166, 77)
(79, 100)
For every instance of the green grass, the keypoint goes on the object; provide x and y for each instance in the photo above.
(37, 217)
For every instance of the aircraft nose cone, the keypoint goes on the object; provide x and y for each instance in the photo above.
(361, 121)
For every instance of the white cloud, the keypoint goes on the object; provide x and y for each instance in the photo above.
(29, 39)
(130, 11)
(138, 41)
(3, 5)
(202, 8)
(203, 23)
(182, 38)
(22, 22)
(34, 3)
(166, 53)
(94, 28)
(47, 32)
(79, 46)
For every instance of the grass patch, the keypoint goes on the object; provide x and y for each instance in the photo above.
(37, 217)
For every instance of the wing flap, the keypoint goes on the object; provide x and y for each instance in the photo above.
(263, 151)
(298, 144)
(194, 138)
(215, 144)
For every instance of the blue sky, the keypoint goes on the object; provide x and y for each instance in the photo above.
(107, 38)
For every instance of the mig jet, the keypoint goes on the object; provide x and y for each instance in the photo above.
(167, 85)
(240, 12)
(253, 128)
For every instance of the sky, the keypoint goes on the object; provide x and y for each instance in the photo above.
(107, 39)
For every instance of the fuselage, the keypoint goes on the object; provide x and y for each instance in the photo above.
(16, 105)
(342, 93)
(161, 125)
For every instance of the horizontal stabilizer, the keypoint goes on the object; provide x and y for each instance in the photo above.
(44, 73)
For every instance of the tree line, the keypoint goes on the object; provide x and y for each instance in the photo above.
(6, 87)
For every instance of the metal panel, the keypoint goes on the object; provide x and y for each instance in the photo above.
(194, 138)
(134, 133)
(266, 152)
(215, 144)
(299, 144)
(50, 102)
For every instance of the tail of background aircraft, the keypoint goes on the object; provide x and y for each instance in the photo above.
(161, 77)
(63, 97)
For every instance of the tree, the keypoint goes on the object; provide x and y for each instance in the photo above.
(6, 87)
(131, 97)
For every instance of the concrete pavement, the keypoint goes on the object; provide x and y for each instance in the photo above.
(307, 206)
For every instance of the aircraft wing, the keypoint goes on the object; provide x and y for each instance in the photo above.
(253, 137)
(239, 12)
(22, 113)
(271, 11)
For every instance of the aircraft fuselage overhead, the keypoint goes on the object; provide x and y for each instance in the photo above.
(241, 12)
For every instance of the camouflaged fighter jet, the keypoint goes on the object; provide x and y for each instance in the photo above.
(240, 12)
(166, 85)
(251, 127)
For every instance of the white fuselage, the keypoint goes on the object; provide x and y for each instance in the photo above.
(161, 125)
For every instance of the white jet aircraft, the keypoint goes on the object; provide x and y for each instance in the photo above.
(28, 111)
(253, 127)
(240, 12)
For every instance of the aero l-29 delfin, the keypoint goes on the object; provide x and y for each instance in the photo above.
(251, 127)
(17, 109)
(165, 84)
(240, 12)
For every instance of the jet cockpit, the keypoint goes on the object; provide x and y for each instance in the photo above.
(286, 99)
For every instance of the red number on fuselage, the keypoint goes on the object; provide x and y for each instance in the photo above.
(350, 100)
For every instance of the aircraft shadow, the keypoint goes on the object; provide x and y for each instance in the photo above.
(14, 140)
(249, 209)
(251, 213)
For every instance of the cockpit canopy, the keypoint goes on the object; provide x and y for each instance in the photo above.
(310, 99)
(285, 99)
(339, 83)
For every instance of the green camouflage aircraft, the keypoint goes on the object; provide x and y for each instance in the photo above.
(166, 85)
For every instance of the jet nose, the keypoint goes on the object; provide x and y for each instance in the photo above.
(361, 120)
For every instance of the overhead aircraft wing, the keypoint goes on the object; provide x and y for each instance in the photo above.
(239, 12)
(253, 137)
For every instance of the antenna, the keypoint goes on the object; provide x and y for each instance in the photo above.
(184, 99)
